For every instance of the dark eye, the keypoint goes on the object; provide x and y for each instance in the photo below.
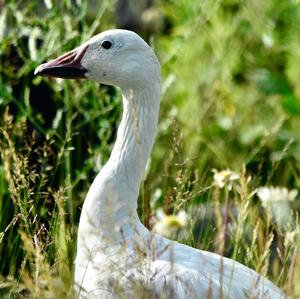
(106, 44)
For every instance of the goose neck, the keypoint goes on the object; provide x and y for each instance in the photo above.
(135, 138)
(111, 202)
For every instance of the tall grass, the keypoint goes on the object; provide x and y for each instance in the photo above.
(231, 99)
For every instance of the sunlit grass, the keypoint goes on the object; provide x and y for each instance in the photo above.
(231, 100)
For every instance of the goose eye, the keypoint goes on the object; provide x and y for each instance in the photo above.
(106, 44)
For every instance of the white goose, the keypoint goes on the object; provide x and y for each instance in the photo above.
(117, 257)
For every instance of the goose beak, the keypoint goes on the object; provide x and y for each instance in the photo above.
(67, 66)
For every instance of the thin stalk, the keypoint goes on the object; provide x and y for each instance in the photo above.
(67, 157)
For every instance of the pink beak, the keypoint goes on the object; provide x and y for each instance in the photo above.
(67, 66)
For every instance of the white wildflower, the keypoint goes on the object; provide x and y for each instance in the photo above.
(291, 237)
(277, 201)
(225, 122)
(225, 178)
(48, 4)
(267, 40)
(275, 194)
(169, 224)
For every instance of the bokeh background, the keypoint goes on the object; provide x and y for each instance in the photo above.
(230, 100)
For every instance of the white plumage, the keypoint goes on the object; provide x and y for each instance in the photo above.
(117, 257)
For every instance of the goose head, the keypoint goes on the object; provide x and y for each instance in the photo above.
(114, 57)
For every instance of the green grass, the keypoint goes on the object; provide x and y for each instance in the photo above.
(231, 99)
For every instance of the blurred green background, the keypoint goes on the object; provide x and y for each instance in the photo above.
(231, 99)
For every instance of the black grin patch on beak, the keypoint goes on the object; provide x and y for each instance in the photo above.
(64, 72)
(67, 66)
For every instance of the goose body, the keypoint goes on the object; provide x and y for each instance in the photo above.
(117, 257)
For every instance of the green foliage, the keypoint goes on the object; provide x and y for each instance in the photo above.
(231, 99)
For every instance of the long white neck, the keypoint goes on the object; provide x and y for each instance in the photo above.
(134, 142)
(112, 199)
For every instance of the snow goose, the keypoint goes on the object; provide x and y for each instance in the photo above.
(117, 257)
